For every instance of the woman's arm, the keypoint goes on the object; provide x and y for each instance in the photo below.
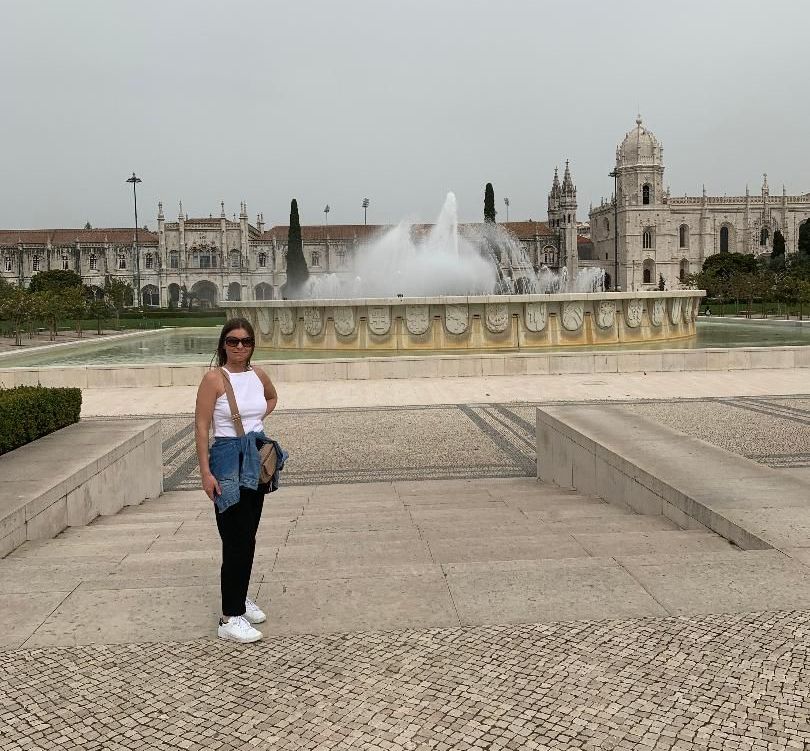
(270, 392)
(203, 416)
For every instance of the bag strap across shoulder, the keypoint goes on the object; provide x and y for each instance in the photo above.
(235, 416)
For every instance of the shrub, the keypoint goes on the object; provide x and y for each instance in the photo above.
(30, 412)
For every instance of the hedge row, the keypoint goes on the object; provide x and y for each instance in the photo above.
(30, 412)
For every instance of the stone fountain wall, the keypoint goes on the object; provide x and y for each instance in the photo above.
(475, 323)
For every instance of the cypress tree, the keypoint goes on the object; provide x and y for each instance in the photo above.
(297, 272)
(489, 204)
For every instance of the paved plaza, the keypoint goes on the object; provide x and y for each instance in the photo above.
(423, 590)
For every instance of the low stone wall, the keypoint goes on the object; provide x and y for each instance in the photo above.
(629, 459)
(480, 322)
(425, 366)
(70, 477)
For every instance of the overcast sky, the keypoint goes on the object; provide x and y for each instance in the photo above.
(332, 101)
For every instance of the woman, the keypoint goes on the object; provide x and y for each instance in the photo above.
(237, 495)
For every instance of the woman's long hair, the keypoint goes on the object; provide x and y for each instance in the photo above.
(232, 324)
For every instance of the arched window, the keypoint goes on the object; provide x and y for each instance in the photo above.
(316, 258)
(174, 260)
(763, 236)
(264, 291)
(65, 262)
(9, 263)
(93, 262)
(684, 270)
(235, 259)
(35, 263)
(150, 296)
(207, 258)
(122, 261)
(648, 273)
(683, 236)
(646, 239)
(262, 261)
(341, 257)
(174, 294)
(645, 194)
(724, 239)
(148, 261)
(647, 276)
(234, 291)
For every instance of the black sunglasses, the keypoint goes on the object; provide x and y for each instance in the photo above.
(235, 341)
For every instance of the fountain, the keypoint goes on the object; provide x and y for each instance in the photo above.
(450, 287)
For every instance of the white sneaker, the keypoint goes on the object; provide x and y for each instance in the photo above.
(253, 613)
(237, 628)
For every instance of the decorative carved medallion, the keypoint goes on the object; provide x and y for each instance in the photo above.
(633, 313)
(687, 309)
(572, 315)
(286, 320)
(313, 321)
(497, 315)
(379, 319)
(417, 319)
(659, 308)
(344, 320)
(264, 317)
(455, 318)
(675, 310)
(605, 314)
(536, 315)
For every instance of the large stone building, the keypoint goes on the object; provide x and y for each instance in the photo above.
(660, 235)
(207, 260)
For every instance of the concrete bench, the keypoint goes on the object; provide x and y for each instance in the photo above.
(71, 476)
(626, 458)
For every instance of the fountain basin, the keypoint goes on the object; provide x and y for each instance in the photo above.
(475, 322)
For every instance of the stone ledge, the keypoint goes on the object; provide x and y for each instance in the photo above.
(71, 476)
(425, 366)
(629, 459)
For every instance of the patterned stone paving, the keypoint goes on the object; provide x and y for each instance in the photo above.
(484, 440)
(715, 682)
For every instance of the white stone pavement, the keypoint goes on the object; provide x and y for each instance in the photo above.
(419, 391)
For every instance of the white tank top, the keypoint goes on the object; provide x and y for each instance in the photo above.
(249, 393)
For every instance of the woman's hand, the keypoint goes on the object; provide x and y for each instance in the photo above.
(211, 485)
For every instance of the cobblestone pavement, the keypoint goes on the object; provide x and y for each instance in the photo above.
(716, 682)
(469, 441)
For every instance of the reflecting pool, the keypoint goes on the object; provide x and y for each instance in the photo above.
(197, 345)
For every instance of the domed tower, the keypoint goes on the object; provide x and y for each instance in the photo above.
(640, 168)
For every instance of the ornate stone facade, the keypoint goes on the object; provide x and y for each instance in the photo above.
(660, 235)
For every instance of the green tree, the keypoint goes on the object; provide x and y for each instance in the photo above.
(54, 280)
(778, 245)
(489, 204)
(74, 306)
(15, 306)
(46, 307)
(99, 309)
(297, 271)
(118, 295)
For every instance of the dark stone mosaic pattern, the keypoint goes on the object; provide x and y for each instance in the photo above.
(715, 682)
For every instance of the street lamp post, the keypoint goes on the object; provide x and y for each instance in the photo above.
(135, 180)
(615, 175)
(506, 201)
(365, 204)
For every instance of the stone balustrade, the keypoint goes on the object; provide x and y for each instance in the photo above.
(487, 322)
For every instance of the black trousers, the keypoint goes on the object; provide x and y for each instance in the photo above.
(237, 527)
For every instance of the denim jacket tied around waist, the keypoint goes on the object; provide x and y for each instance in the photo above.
(235, 463)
